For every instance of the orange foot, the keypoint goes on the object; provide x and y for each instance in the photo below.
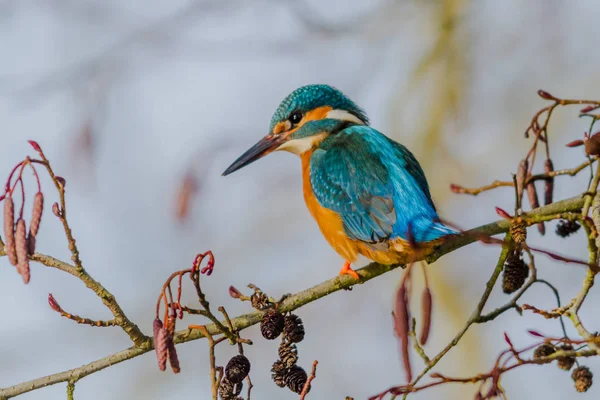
(347, 270)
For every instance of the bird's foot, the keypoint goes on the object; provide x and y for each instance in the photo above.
(347, 270)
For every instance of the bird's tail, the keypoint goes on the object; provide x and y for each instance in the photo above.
(427, 230)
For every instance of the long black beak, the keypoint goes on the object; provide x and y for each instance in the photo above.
(263, 147)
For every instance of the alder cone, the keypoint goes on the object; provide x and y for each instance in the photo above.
(237, 368)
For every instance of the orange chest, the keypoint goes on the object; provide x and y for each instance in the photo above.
(318, 212)
(329, 222)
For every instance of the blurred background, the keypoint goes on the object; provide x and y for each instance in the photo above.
(132, 99)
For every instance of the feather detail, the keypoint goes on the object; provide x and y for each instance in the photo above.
(375, 185)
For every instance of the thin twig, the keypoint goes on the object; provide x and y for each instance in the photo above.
(214, 384)
(312, 376)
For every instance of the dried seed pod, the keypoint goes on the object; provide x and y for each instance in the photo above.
(544, 350)
(271, 324)
(293, 328)
(296, 379)
(520, 178)
(426, 307)
(36, 213)
(237, 369)
(172, 353)
(160, 343)
(592, 145)
(22, 248)
(31, 241)
(515, 273)
(9, 229)
(279, 373)
(566, 228)
(535, 203)
(518, 231)
(401, 316)
(566, 363)
(549, 183)
(260, 301)
(288, 353)
(226, 389)
(582, 376)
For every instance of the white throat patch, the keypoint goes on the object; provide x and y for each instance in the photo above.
(299, 146)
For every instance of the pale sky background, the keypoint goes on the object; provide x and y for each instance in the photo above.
(169, 86)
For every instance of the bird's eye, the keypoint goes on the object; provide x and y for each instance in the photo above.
(295, 117)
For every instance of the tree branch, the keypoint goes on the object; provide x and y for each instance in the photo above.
(293, 302)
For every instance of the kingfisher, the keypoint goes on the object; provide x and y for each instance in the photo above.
(367, 193)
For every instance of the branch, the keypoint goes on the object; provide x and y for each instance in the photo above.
(291, 303)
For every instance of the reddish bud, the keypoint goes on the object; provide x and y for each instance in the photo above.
(160, 343)
(587, 109)
(456, 188)
(401, 316)
(545, 95)
(61, 181)
(53, 303)
(172, 353)
(535, 333)
(9, 229)
(36, 214)
(502, 213)
(56, 210)
(35, 146)
(233, 292)
(426, 304)
(22, 249)
(549, 183)
(520, 178)
(210, 265)
(507, 339)
(575, 143)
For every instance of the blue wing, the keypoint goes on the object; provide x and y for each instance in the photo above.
(376, 185)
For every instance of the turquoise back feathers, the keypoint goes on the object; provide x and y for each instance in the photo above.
(376, 186)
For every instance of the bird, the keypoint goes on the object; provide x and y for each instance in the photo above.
(367, 192)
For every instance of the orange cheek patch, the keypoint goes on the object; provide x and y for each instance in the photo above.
(316, 114)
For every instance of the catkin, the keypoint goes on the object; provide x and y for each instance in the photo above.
(9, 229)
(22, 249)
(36, 213)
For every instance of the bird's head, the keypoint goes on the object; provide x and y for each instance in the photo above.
(303, 120)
